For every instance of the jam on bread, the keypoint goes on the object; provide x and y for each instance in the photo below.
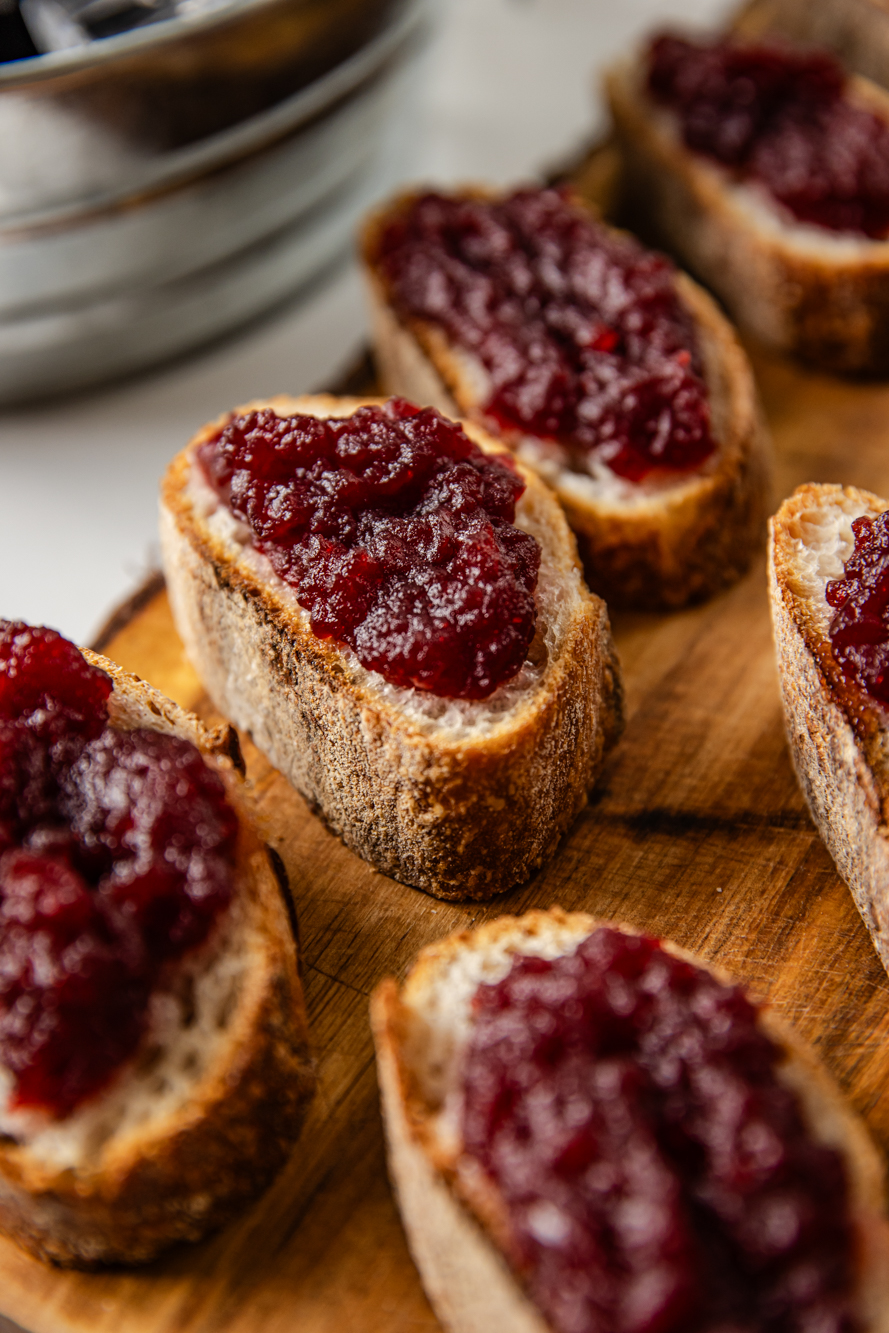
(435, 679)
(782, 119)
(859, 627)
(116, 857)
(580, 330)
(396, 533)
(829, 594)
(590, 1132)
(602, 367)
(656, 1172)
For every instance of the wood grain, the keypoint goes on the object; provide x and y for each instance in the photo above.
(698, 832)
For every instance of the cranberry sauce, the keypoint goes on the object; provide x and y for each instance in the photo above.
(396, 533)
(657, 1176)
(581, 331)
(782, 118)
(859, 628)
(116, 854)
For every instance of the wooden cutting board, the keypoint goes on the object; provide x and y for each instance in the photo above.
(698, 832)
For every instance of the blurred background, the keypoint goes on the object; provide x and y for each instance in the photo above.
(181, 192)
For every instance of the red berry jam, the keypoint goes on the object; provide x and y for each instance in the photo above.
(396, 533)
(859, 628)
(116, 855)
(658, 1177)
(782, 118)
(580, 330)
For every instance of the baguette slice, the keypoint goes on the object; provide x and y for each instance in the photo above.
(838, 735)
(651, 546)
(198, 1122)
(461, 798)
(451, 1215)
(823, 295)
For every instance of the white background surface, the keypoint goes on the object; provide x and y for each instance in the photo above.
(510, 92)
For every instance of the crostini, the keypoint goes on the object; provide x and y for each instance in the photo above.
(590, 1130)
(154, 1061)
(613, 376)
(396, 613)
(765, 170)
(828, 582)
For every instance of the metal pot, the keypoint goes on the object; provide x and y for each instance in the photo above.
(159, 187)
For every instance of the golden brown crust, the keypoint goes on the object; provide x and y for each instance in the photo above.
(837, 734)
(182, 1176)
(447, 1214)
(825, 298)
(462, 817)
(663, 548)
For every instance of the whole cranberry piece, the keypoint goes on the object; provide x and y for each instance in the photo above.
(45, 681)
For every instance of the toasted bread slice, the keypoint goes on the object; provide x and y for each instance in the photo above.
(463, 798)
(838, 735)
(451, 1211)
(652, 545)
(198, 1122)
(857, 31)
(804, 289)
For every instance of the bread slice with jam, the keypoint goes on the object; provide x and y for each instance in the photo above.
(461, 796)
(802, 288)
(829, 654)
(660, 540)
(494, 1237)
(200, 1117)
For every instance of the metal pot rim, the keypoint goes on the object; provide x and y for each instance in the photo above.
(344, 82)
(40, 69)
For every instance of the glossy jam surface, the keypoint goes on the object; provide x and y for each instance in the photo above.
(396, 533)
(580, 330)
(859, 628)
(781, 118)
(657, 1175)
(116, 854)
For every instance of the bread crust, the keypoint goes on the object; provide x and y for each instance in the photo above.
(462, 817)
(184, 1173)
(836, 733)
(451, 1222)
(857, 31)
(665, 547)
(797, 289)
